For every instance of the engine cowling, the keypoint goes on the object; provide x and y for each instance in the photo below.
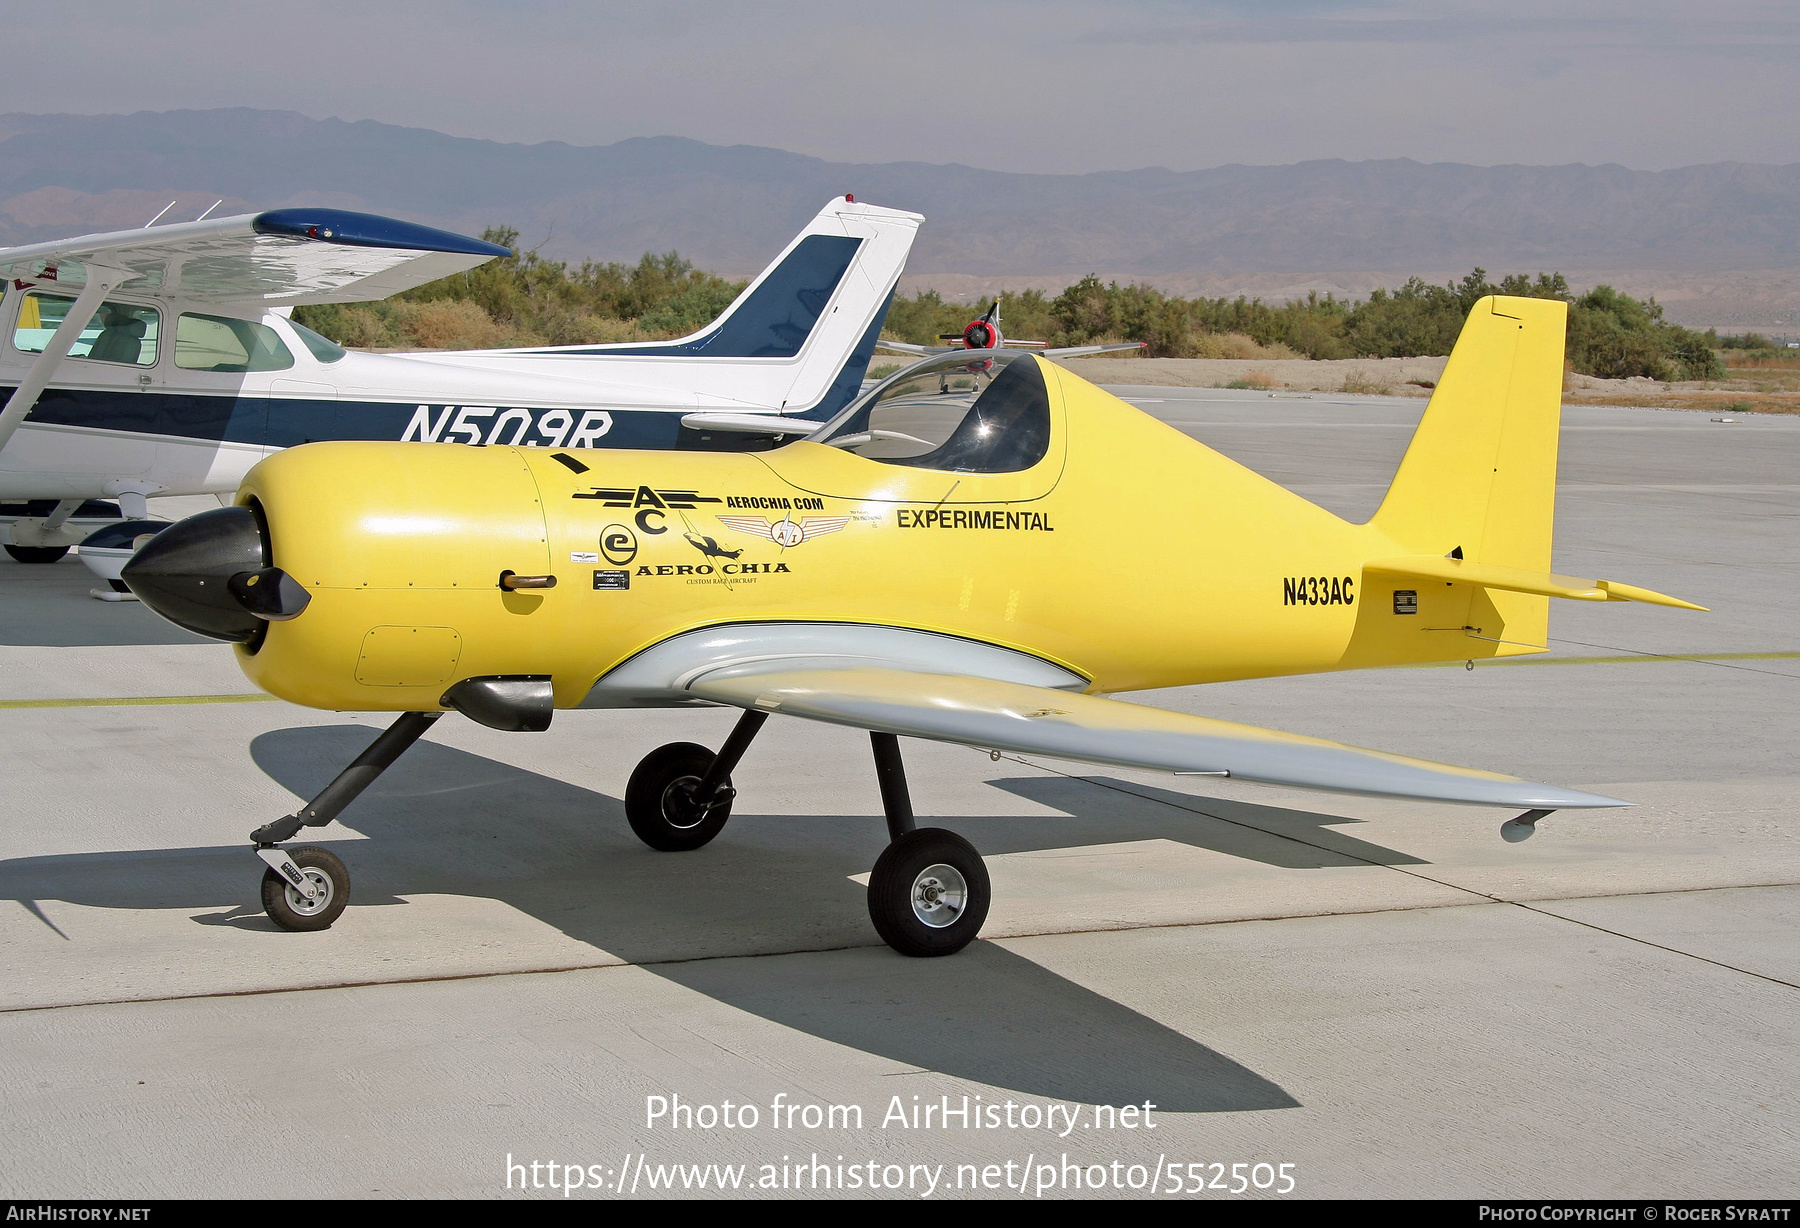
(981, 335)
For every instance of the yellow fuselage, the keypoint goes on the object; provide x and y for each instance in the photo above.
(1130, 554)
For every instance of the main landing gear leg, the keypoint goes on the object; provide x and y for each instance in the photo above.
(679, 795)
(929, 892)
(306, 888)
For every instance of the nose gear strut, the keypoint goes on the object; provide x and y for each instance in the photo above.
(312, 883)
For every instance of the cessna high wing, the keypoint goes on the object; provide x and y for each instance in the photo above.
(983, 333)
(161, 361)
(977, 551)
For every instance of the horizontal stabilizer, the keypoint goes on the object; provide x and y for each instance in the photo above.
(1011, 716)
(1035, 347)
(750, 424)
(1518, 580)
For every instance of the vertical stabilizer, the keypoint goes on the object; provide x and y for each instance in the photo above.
(1480, 474)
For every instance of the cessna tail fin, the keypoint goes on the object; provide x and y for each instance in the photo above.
(819, 306)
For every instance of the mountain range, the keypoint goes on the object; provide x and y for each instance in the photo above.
(730, 208)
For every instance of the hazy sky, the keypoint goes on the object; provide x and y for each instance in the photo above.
(1056, 86)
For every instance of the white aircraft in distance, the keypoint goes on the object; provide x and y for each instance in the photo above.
(162, 362)
(983, 333)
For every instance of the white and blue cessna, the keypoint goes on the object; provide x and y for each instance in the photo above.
(161, 361)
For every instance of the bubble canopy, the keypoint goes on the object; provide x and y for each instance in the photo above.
(966, 412)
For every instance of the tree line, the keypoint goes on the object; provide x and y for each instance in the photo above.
(526, 299)
(1611, 334)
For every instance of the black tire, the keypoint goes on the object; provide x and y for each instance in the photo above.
(913, 865)
(288, 909)
(36, 554)
(659, 799)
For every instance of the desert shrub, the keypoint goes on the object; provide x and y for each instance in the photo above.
(1615, 336)
(1366, 383)
(450, 324)
(1744, 341)
(525, 299)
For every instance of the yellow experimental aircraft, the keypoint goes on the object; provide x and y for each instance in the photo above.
(975, 551)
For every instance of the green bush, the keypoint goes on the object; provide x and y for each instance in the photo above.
(1611, 335)
(525, 299)
(528, 300)
(1745, 341)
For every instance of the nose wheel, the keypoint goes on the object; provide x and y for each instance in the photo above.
(289, 905)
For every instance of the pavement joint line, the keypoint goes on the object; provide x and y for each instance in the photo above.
(1120, 928)
(133, 701)
(1474, 891)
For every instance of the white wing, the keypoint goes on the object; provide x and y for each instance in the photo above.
(1012, 716)
(1077, 351)
(279, 258)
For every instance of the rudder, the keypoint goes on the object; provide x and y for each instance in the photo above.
(1480, 473)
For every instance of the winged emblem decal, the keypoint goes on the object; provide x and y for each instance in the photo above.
(788, 531)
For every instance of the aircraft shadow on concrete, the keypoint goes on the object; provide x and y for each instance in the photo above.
(1273, 835)
(46, 605)
(447, 822)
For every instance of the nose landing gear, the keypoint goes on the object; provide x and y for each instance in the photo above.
(317, 901)
(306, 888)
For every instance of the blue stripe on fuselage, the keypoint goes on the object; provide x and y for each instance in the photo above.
(282, 422)
(228, 417)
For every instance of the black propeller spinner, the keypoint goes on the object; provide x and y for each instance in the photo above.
(210, 574)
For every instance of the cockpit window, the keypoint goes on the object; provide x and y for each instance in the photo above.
(220, 343)
(961, 412)
(118, 332)
(323, 348)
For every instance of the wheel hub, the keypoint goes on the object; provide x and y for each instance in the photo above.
(939, 895)
(321, 885)
(680, 806)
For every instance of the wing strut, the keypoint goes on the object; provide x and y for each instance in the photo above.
(99, 284)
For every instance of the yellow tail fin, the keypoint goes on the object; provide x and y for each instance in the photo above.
(1480, 475)
(1471, 509)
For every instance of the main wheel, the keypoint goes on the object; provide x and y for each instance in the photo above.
(291, 910)
(36, 554)
(928, 893)
(659, 799)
